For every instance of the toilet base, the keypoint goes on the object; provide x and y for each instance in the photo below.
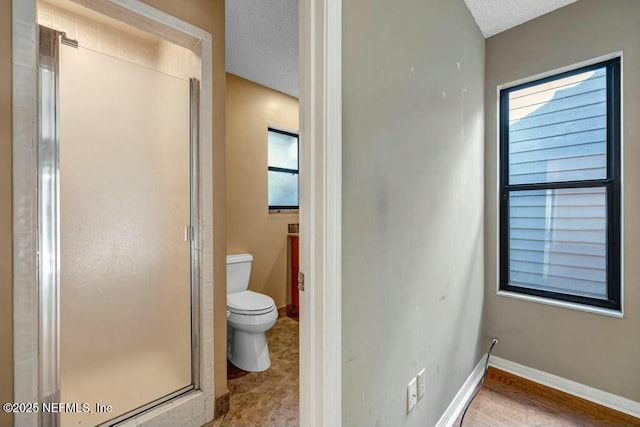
(248, 351)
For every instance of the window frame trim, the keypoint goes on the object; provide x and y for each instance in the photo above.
(612, 183)
(278, 208)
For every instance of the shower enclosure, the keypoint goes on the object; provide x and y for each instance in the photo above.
(117, 217)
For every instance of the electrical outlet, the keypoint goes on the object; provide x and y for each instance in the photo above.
(422, 385)
(412, 395)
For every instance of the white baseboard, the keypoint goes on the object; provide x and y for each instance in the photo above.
(464, 394)
(600, 397)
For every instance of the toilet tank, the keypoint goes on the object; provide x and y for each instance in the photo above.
(238, 272)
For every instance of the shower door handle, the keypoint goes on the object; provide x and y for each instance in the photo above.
(188, 233)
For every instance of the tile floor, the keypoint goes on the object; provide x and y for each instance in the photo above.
(269, 398)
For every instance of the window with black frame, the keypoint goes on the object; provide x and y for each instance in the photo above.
(282, 170)
(560, 187)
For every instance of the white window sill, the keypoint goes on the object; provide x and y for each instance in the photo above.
(283, 211)
(562, 304)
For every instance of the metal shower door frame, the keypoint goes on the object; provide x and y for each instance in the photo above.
(48, 255)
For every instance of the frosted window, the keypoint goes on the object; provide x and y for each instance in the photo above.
(282, 169)
(283, 189)
(283, 150)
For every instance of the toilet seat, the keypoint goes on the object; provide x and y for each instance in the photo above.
(249, 303)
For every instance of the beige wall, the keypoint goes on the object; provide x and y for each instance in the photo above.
(206, 14)
(6, 299)
(595, 350)
(251, 109)
(412, 206)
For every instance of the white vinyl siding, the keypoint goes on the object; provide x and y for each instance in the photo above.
(563, 138)
(557, 240)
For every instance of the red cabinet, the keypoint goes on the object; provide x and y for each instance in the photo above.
(292, 310)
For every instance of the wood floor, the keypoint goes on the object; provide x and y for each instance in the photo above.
(509, 400)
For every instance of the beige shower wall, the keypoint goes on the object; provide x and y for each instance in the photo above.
(106, 35)
(177, 61)
(99, 32)
(251, 109)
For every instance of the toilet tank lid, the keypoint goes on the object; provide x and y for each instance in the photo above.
(234, 259)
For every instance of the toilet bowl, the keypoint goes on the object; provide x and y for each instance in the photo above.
(249, 315)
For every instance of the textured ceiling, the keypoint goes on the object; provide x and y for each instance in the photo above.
(262, 42)
(495, 16)
(262, 35)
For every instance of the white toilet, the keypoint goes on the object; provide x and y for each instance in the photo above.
(249, 316)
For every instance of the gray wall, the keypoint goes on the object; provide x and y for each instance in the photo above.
(413, 206)
(595, 350)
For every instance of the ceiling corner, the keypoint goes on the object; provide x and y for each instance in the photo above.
(496, 16)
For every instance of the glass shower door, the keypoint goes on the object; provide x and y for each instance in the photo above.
(125, 264)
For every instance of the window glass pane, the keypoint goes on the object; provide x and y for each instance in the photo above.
(558, 129)
(557, 240)
(283, 189)
(283, 151)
